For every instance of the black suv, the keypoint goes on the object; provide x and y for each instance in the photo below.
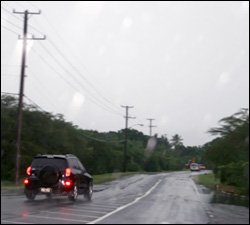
(57, 174)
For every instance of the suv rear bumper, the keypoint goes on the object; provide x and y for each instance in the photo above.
(59, 188)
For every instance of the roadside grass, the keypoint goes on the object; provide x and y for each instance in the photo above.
(9, 185)
(98, 179)
(102, 178)
(208, 180)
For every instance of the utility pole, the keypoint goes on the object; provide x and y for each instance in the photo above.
(20, 102)
(150, 126)
(126, 136)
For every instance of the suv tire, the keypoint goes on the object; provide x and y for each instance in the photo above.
(73, 194)
(30, 194)
(88, 193)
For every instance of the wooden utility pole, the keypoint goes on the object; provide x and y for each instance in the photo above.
(150, 126)
(126, 136)
(21, 91)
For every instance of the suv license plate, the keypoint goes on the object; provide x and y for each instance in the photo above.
(46, 190)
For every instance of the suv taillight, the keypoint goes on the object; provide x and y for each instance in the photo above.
(26, 181)
(67, 172)
(68, 183)
(28, 170)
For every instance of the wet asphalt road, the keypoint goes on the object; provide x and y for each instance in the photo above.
(169, 198)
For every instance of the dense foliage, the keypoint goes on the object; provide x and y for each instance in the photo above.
(43, 132)
(228, 154)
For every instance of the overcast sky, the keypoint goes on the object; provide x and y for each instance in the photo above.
(185, 64)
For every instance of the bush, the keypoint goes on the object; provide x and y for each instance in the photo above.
(234, 174)
(133, 167)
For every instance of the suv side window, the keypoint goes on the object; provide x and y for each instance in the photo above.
(76, 166)
(72, 163)
(80, 165)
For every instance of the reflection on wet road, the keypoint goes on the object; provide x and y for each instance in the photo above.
(160, 198)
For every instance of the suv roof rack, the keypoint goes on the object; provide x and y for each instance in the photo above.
(55, 155)
(51, 155)
(70, 155)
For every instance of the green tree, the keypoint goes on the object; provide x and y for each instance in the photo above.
(100, 152)
(228, 154)
(176, 141)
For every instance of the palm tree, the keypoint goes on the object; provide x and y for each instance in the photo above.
(176, 141)
(231, 123)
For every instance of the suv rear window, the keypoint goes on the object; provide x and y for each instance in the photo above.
(40, 162)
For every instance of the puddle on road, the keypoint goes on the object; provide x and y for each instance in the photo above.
(212, 196)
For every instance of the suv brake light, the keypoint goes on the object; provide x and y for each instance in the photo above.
(28, 170)
(67, 172)
(68, 183)
(26, 181)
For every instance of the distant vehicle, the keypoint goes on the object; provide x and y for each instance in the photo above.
(57, 174)
(194, 167)
(202, 167)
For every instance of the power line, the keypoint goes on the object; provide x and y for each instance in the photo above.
(94, 99)
(102, 140)
(56, 72)
(87, 136)
(8, 93)
(52, 68)
(74, 88)
(11, 23)
(76, 69)
(39, 89)
(79, 73)
(16, 3)
(6, 10)
(12, 31)
(69, 62)
(40, 81)
(35, 103)
(82, 134)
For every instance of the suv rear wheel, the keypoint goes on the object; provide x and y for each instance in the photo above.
(73, 193)
(30, 194)
(88, 193)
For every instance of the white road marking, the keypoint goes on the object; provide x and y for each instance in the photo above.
(125, 206)
(70, 214)
(85, 210)
(57, 218)
(101, 206)
(94, 210)
(8, 221)
(107, 204)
